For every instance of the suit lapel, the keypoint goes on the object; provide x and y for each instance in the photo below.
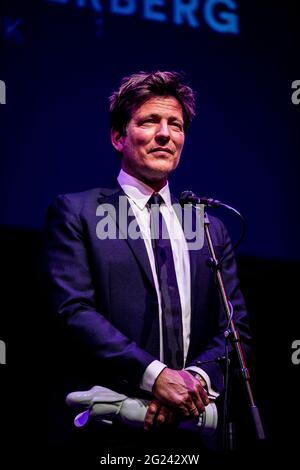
(118, 206)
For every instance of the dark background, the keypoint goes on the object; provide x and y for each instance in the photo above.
(60, 62)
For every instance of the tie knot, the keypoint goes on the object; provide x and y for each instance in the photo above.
(155, 199)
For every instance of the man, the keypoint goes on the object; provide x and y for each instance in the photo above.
(145, 313)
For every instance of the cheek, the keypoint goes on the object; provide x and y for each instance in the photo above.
(180, 141)
(144, 136)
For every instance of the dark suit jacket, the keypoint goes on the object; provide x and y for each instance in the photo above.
(104, 292)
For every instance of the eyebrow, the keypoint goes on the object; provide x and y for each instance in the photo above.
(157, 116)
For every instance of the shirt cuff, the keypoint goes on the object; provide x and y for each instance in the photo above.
(212, 394)
(151, 374)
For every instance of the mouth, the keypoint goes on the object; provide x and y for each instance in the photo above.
(162, 149)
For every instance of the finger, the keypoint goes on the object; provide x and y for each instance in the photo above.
(194, 403)
(150, 415)
(204, 396)
(196, 409)
(161, 416)
(187, 408)
(200, 398)
(199, 404)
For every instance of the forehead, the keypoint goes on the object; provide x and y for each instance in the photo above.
(164, 106)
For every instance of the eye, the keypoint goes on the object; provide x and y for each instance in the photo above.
(177, 124)
(147, 121)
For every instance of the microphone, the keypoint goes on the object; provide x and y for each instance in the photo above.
(187, 197)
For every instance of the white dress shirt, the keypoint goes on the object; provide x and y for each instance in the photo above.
(138, 194)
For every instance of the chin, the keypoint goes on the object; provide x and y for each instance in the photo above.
(163, 166)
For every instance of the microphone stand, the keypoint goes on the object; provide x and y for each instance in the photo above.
(232, 334)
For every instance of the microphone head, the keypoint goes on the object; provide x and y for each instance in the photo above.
(188, 197)
(209, 202)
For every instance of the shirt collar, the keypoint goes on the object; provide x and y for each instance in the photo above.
(140, 192)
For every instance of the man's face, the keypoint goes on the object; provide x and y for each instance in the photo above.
(154, 139)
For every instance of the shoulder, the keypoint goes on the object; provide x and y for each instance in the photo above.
(84, 199)
(79, 204)
(78, 199)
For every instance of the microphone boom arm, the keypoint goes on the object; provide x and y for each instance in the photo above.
(234, 335)
(231, 331)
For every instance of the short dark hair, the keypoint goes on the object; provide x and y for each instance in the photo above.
(140, 87)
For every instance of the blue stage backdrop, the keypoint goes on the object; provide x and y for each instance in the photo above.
(61, 59)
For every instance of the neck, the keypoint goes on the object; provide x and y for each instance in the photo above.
(156, 185)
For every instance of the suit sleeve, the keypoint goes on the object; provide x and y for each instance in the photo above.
(73, 297)
(216, 346)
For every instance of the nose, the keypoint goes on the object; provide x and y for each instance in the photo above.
(163, 133)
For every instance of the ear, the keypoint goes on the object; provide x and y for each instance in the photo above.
(117, 140)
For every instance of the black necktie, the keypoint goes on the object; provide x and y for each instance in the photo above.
(170, 299)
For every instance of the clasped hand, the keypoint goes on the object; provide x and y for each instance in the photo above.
(178, 395)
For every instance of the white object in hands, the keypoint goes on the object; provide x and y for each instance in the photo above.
(104, 405)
